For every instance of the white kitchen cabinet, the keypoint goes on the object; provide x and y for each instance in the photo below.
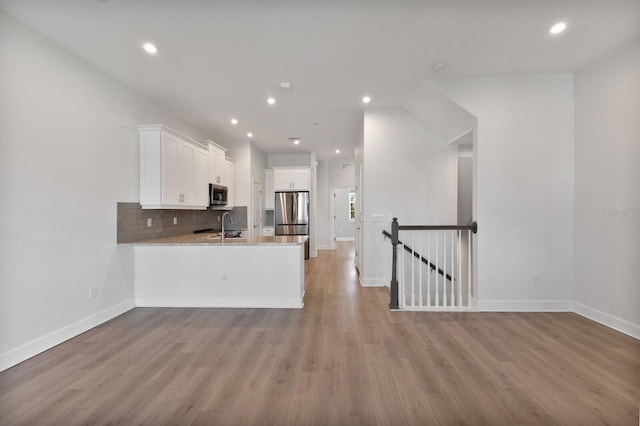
(229, 181)
(269, 196)
(217, 166)
(173, 170)
(202, 177)
(291, 179)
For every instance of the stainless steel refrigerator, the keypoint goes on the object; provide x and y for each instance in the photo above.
(292, 215)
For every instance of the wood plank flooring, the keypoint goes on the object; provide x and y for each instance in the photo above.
(343, 360)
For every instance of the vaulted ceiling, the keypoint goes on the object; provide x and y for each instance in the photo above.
(222, 59)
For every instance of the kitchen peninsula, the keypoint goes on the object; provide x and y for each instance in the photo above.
(200, 270)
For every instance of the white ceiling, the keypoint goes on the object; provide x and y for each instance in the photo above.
(221, 59)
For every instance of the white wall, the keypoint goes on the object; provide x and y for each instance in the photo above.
(409, 173)
(258, 164)
(341, 172)
(607, 194)
(324, 234)
(525, 157)
(68, 154)
(288, 160)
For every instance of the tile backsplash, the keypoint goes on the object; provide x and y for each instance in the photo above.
(132, 222)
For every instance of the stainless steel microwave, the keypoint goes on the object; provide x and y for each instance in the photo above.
(217, 195)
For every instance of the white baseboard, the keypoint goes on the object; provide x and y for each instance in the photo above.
(323, 247)
(41, 344)
(523, 306)
(276, 303)
(345, 239)
(373, 282)
(608, 320)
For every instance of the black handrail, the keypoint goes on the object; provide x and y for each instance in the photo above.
(395, 227)
(418, 256)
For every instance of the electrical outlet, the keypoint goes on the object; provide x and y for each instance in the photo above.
(93, 292)
(175, 220)
(149, 222)
(218, 218)
(224, 277)
(536, 280)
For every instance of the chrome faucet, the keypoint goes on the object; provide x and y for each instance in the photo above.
(230, 222)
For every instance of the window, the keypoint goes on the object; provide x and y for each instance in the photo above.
(352, 205)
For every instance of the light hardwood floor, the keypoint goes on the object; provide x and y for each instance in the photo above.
(345, 360)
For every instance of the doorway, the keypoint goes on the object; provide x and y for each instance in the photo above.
(343, 214)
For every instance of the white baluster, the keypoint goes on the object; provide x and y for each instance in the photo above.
(444, 268)
(413, 274)
(459, 258)
(401, 247)
(469, 274)
(429, 269)
(436, 274)
(453, 270)
(420, 271)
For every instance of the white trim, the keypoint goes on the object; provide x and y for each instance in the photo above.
(373, 282)
(212, 302)
(41, 344)
(618, 324)
(323, 247)
(346, 239)
(524, 306)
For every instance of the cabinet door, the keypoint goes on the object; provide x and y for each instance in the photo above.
(170, 158)
(229, 179)
(220, 168)
(300, 179)
(281, 180)
(186, 174)
(202, 178)
(216, 165)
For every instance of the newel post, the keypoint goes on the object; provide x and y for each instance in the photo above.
(393, 304)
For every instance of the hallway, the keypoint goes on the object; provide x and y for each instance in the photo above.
(344, 359)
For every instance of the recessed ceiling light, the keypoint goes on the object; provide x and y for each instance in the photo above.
(271, 100)
(250, 135)
(234, 121)
(296, 142)
(150, 48)
(366, 99)
(558, 28)
(337, 151)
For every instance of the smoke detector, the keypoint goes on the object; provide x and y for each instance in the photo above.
(439, 67)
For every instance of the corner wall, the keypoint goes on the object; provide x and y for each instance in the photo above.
(68, 155)
(409, 173)
(524, 158)
(607, 194)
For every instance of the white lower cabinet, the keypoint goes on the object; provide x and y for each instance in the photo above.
(174, 170)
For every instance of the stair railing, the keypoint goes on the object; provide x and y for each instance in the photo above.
(452, 247)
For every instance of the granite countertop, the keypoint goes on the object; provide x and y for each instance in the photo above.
(214, 239)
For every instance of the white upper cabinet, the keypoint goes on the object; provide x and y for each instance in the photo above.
(229, 181)
(174, 170)
(217, 167)
(291, 179)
